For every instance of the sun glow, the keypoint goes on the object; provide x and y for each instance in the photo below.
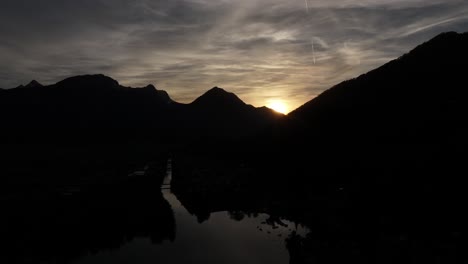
(279, 106)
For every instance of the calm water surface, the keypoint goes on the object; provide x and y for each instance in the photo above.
(220, 239)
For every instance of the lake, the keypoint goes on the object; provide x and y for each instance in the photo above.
(226, 237)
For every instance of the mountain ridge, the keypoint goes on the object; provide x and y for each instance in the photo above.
(435, 48)
(214, 97)
(96, 108)
(406, 100)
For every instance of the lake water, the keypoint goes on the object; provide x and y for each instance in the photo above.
(220, 239)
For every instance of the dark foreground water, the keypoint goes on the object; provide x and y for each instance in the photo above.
(224, 238)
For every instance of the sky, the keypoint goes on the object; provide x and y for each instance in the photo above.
(265, 51)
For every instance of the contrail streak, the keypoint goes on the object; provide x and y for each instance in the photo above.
(311, 40)
(313, 49)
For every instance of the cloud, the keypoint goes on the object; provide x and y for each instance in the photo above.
(258, 49)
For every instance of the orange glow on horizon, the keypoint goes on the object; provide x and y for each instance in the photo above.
(278, 105)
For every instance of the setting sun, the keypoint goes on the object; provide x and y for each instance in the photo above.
(279, 106)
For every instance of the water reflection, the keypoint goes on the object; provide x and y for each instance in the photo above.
(228, 240)
(56, 227)
(224, 237)
(132, 221)
(220, 239)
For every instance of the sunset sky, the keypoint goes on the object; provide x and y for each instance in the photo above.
(265, 51)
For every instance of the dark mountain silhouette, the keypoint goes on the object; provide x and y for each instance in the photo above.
(217, 98)
(95, 110)
(393, 142)
(77, 110)
(33, 84)
(219, 115)
(422, 82)
(410, 110)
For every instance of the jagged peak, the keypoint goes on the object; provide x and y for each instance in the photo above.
(163, 95)
(150, 86)
(33, 84)
(162, 92)
(217, 91)
(218, 96)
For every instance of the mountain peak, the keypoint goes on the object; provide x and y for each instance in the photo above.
(162, 95)
(444, 47)
(33, 84)
(218, 97)
(150, 86)
(447, 36)
(217, 89)
(90, 81)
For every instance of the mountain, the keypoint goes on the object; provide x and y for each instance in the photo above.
(415, 99)
(78, 110)
(401, 128)
(424, 81)
(89, 110)
(33, 84)
(223, 115)
(218, 98)
(389, 150)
